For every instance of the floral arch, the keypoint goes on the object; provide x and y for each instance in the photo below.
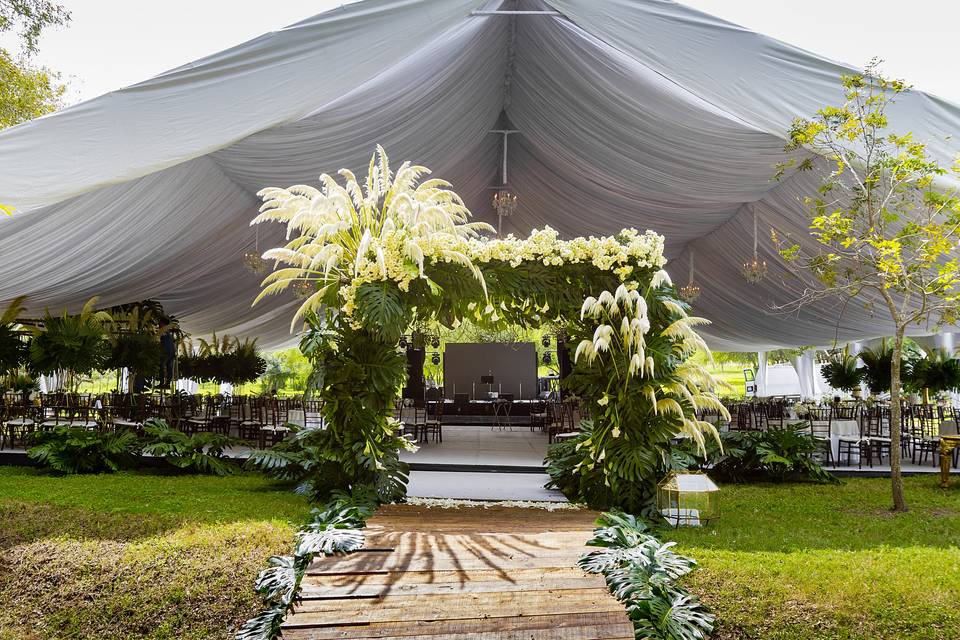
(396, 250)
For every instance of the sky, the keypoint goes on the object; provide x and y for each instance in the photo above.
(111, 44)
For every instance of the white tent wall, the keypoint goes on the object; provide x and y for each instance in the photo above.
(638, 113)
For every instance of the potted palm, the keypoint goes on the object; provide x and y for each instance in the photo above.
(938, 372)
(74, 345)
(841, 372)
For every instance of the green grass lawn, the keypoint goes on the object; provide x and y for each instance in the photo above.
(137, 555)
(811, 561)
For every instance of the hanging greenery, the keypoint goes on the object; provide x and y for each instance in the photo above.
(393, 253)
(221, 359)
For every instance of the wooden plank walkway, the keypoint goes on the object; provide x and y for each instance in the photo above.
(466, 574)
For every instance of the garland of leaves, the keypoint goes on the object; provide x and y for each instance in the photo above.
(334, 529)
(640, 572)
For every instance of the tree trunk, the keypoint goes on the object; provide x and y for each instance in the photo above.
(896, 480)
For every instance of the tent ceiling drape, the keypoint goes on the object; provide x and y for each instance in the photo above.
(639, 113)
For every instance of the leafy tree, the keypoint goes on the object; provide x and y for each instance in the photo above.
(884, 221)
(26, 91)
(740, 358)
(30, 17)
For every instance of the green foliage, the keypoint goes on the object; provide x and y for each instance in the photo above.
(140, 352)
(75, 344)
(334, 529)
(30, 18)
(640, 398)
(876, 367)
(357, 376)
(640, 571)
(776, 454)
(202, 452)
(937, 372)
(13, 350)
(884, 221)
(26, 91)
(225, 359)
(841, 372)
(744, 359)
(70, 450)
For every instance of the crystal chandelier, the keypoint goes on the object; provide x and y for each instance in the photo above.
(302, 288)
(252, 260)
(504, 203)
(754, 270)
(690, 291)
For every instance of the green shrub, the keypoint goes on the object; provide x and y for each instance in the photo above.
(201, 452)
(640, 571)
(776, 454)
(307, 458)
(70, 450)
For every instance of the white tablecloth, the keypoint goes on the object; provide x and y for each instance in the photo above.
(838, 429)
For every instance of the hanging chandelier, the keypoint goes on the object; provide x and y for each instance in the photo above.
(252, 260)
(504, 203)
(302, 288)
(690, 291)
(754, 270)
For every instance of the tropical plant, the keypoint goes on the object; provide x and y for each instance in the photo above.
(778, 454)
(71, 450)
(841, 371)
(396, 255)
(633, 371)
(937, 372)
(13, 349)
(334, 529)
(134, 340)
(875, 371)
(23, 383)
(884, 222)
(349, 237)
(201, 452)
(223, 359)
(75, 345)
(641, 571)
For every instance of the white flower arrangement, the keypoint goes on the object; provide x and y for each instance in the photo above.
(456, 503)
(343, 236)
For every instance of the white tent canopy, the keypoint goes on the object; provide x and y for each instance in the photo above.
(640, 113)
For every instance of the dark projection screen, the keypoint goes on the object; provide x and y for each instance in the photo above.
(513, 366)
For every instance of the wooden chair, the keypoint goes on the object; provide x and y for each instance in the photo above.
(433, 421)
(819, 418)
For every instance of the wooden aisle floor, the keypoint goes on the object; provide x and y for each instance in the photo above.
(470, 573)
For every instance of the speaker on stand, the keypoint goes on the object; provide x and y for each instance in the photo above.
(415, 386)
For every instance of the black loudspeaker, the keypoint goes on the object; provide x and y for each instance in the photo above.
(415, 382)
(563, 359)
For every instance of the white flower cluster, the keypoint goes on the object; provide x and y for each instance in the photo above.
(388, 229)
(626, 312)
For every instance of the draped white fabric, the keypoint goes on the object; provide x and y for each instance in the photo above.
(639, 113)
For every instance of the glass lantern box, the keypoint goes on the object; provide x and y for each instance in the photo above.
(688, 499)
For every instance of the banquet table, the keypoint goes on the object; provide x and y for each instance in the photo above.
(838, 429)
